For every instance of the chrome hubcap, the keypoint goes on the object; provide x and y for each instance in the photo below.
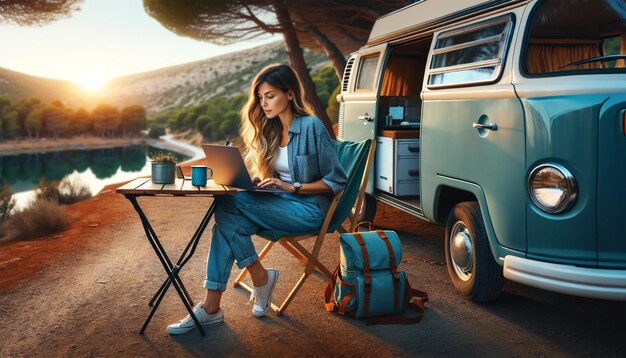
(461, 251)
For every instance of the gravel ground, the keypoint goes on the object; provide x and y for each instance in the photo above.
(91, 300)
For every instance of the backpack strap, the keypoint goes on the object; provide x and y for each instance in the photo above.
(394, 270)
(329, 300)
(366, 270)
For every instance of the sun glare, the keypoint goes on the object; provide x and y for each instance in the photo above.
(92, 81)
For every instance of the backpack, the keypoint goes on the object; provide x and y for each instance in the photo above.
(367, 283)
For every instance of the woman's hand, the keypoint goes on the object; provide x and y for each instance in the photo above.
(275, 182)
(255, 180)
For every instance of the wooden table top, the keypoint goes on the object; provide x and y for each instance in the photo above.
(144, 186)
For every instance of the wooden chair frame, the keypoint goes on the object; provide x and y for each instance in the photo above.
(310, 258)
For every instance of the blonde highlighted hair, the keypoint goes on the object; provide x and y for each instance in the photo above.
(261, 135)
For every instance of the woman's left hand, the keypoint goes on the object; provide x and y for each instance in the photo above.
(275, 182)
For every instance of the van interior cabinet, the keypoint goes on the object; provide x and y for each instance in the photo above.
(397, 164)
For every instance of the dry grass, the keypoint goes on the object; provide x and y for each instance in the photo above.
(42, 217)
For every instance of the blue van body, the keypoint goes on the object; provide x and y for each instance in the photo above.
(519, 112)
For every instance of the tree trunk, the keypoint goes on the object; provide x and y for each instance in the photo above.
(296, 57)
(331, 50)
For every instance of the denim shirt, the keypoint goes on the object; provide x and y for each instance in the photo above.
(312, 156)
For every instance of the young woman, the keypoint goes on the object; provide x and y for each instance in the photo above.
(287, 148)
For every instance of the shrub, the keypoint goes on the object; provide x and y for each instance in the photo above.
(7, 202)
(156, 131)
(72, 190)
(40, 218)
(48, 190)
(68, 191)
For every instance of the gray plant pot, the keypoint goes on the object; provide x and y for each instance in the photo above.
(163, 173)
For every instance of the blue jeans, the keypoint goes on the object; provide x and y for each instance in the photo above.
(239, 216)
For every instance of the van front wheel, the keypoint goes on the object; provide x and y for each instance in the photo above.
(471, 266)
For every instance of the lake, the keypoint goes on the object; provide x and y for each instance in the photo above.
(95, 168)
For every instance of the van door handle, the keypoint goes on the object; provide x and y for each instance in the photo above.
(490, 126)
(366, 118)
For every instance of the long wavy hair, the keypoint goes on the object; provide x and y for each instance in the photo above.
(261, 135)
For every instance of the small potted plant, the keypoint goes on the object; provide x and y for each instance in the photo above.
(163, 168)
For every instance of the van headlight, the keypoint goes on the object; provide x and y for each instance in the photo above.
(552, 188)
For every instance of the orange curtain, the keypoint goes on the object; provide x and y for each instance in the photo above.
(402, 77)
(543, 58)
(622, 51)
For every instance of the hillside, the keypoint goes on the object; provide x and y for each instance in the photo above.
(169, 87)
(18, 85)
(196, 82)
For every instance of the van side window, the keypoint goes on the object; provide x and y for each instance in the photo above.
(367, 73)
(564, 40)
(470, 55)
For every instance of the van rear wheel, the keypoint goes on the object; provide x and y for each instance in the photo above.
(471, 266)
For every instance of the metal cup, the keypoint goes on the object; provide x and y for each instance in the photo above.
(198, 175)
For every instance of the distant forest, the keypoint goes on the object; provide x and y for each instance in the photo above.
(30, 118)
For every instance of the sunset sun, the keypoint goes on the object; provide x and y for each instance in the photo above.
(92, 81)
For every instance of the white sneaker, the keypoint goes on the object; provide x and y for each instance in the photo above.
(187, 324)
(262, 296)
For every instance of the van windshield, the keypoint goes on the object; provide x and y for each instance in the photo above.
(576, 37)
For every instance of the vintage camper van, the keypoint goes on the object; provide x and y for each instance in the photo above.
(506, 122)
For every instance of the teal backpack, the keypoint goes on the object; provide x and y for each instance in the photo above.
(367, 283)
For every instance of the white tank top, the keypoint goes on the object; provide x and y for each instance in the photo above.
(281, 166)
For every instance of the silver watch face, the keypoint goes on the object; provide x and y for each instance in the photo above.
(297, 185)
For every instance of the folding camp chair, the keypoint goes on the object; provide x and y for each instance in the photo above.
(356, 159)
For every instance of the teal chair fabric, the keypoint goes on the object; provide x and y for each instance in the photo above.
(353, 158)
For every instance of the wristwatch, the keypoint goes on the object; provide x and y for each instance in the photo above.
(296, 186)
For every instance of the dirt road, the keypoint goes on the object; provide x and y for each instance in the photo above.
(92, 299)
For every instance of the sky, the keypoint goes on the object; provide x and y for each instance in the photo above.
(103, 40)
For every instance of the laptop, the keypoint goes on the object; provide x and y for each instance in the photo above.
(229, 168)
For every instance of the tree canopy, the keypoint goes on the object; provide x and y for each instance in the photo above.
(36, 12)
(31, 118)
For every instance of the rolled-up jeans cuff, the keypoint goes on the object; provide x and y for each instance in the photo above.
(247, 262)
(210, 285)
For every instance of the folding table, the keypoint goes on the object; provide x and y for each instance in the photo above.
(180, 188)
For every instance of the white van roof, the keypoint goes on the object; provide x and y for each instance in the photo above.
(424, 14)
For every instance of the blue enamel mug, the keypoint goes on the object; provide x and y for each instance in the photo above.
(199, 175)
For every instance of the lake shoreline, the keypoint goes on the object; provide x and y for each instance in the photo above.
(44, 145)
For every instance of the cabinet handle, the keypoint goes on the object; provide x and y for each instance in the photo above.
(414, 172)
(414, 149)
(382, 177)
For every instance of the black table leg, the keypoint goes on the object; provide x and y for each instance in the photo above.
(186, 255)
(171, 270)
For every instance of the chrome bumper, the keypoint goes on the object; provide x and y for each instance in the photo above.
(571, 280)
